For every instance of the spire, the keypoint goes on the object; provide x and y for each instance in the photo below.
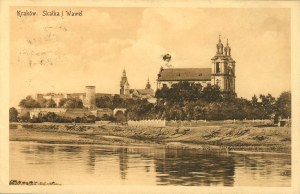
(148, 86)
(227, 49)
(123, 79)
(220, 46)
(124, 73)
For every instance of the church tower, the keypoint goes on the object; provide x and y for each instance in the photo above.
(148, 85)
(124, 84)
(223, 68)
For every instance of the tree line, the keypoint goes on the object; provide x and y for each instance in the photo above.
(29, 102)
(185, 101)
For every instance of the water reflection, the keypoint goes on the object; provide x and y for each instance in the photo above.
(68, 164)
(123, 161)
(187, 167)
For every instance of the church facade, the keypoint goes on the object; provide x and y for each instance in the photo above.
(221, 73)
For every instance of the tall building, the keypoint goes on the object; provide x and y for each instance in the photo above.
(124, 84)
(222, 72)
(90, 97)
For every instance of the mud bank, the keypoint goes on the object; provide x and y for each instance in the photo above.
(228, 137)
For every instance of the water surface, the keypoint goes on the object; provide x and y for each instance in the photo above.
(127, 165)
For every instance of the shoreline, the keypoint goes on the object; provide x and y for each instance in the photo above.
(229, 138)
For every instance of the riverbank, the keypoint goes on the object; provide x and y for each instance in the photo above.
(228, 137)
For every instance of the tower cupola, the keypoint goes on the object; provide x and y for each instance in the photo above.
(227, 49)
(220, 46)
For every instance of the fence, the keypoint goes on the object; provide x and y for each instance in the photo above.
(197, 123)
(152, 123)
(194, 123)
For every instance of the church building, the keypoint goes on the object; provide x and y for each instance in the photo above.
(126, 92)
(222, 72)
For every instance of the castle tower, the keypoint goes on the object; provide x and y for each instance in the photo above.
(124, 84)
(223, 68)
(90, 96)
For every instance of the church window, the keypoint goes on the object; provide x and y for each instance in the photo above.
(200, 74)
(217, 67)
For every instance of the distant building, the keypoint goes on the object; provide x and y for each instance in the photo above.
(126, 92)
(67, 112)
(88, 98)
(124, 84)
(222, 72)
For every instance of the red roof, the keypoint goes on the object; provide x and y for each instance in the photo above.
(185, 74)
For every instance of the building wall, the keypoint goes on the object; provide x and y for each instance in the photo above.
(160, 84)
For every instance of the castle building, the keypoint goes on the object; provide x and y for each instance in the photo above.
(222, 72)
(88, 98)
(126, 92)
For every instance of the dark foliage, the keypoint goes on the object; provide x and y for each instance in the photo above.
(13, 114)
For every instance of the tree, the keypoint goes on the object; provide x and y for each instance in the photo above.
(211, 93)
(104, 102)
(13, 114)
(117, 101)
(62, 102)
(29, 102)
(267, 105)
(71, 103)
(179, 92)
(50, 104)
(283, 105)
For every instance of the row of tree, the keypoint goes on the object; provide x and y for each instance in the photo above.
(29, 102)
(188, 101)
(53, 117)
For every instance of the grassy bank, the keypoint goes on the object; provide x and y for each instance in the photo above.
(230, 137)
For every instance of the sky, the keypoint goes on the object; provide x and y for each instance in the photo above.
(64, 54)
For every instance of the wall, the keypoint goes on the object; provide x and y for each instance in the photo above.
(152, 123)
(169, 83)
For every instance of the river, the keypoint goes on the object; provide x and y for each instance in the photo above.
(153, 165)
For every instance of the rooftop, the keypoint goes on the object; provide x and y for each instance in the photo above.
(185, 74)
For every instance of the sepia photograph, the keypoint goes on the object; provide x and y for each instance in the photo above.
(151, 95)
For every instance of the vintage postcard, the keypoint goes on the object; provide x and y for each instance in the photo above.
(150, 97)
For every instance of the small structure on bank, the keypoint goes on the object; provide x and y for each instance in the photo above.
(120, 114)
